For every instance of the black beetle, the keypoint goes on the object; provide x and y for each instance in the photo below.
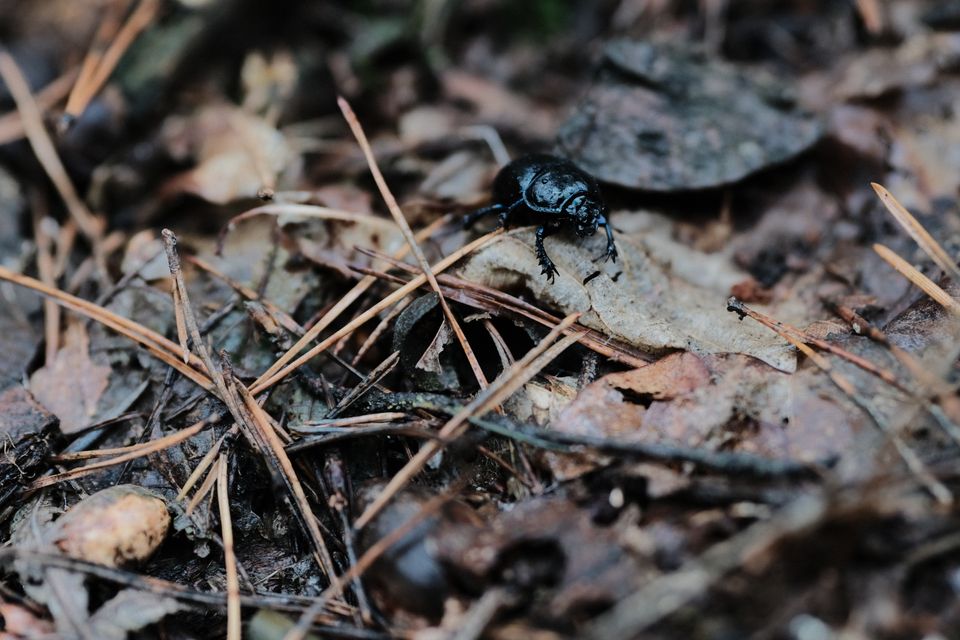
(552, 193)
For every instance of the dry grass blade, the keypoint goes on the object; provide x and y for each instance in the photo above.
(11, 124)
(126, 453)
(919, 234)
(408, 236)
(90, 225)
(910, 272)
(204, 463)
(501, 388)
(99, 64)
(264, 382)
(159, 346)
(328, 318)
(47, 270)
(229, 557)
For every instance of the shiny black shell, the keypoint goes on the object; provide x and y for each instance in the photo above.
(544, 183)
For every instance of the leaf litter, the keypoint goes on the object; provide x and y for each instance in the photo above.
(746, 426)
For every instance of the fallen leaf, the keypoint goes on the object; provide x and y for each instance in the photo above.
(915, 63)
(658, 305)
(236, 154)
(663, 118)
(71, 385)
(130, 610)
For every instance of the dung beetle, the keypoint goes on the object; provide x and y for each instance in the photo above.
(552, 193)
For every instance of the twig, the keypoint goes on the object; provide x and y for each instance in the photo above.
(347, 422)
(162, 587)
(158, 345)
(47, 270)
(229, 557)
(370, 380)
(488, 299)
(667, 594)
(282, 462)
(370, 556)
(11, 124)
(380, 329)
(724, 462)
(936, 488)
(282, 317)
(401, 221)
(931, 385)
(872, 16)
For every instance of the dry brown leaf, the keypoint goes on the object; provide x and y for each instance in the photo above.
(658, 296)
(236, 154)
(729, 401)
(71, 385)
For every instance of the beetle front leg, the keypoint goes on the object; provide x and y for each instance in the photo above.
(548, 268)
(611, 252)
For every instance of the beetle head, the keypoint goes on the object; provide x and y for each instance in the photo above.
(587, 212)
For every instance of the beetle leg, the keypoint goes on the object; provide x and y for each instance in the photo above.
(471, 218)
(506, 213)
(611, 252)
(548, 268)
